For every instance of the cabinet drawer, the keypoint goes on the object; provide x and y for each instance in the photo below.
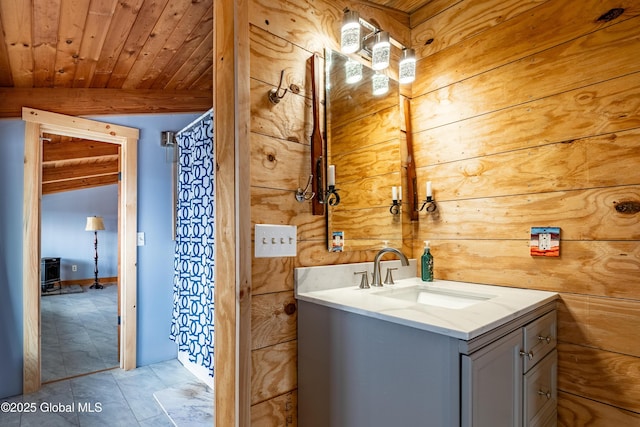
(540, 394)
(539, 339)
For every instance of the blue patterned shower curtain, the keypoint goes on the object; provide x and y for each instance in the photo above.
(192, 326)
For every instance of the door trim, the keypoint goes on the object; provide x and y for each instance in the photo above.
(38, 122)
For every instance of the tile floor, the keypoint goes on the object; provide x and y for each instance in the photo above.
(79, 332)
(118, 398)
(79, 335)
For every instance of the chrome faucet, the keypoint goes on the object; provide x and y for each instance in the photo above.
(377, 281)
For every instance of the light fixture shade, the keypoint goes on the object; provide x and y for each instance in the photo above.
(407, 71)
(380, 84)
(350, 34)
(353, 71)
(381, 51)
(94, 223)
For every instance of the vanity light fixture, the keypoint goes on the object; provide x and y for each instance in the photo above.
(350, 34)
(375, 45)
(429, 202)
(380, 83)
(407, 66)
(395, 201)
(353, 71)
(381, 51)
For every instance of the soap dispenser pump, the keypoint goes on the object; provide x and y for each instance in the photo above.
(427, 263)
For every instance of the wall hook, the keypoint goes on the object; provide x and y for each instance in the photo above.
(274, 95)
(306, 193)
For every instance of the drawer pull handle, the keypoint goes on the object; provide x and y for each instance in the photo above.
(544, 393)
(529, 354)
(547, 339)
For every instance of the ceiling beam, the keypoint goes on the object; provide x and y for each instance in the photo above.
(88, 102)
(78, 184)
(64, 171)
(58, 147)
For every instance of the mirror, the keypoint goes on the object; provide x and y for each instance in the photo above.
(364, 143)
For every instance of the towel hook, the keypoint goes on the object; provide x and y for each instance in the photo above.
(274, 96)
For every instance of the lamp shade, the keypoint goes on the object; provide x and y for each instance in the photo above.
(380, 84)
(407, 73)
(381, 51)
(350, 33)
(353, 71)
(94, 223)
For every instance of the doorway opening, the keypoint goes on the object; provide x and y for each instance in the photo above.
(37, 123)
(79, 321)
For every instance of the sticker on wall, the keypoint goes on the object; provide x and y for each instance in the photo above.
(545, 241)
(337, 241)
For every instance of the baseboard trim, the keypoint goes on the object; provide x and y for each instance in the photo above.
(101, 280)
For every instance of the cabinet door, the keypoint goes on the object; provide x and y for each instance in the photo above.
(540, 393)
(492, 384)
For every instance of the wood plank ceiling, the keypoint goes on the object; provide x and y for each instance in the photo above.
(102, 44)
(74, 163)
(117, 44)
(108, 44)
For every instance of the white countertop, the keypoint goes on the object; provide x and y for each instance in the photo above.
(505, 304)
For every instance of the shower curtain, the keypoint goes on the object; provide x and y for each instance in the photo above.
(192, 325)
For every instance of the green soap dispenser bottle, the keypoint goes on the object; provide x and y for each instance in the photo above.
(427, 264)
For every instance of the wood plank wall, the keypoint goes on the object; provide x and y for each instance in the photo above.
(527, 113)
(279, 165)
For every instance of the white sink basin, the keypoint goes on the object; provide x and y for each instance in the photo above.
(423, 294)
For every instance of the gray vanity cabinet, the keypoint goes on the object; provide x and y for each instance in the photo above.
(492, 384)
(512, 381)
(355, 370)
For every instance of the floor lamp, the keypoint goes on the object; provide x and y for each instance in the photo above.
(95, 223)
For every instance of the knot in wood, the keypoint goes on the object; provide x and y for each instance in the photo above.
(611, 14)
(290, 308)
(628, 207)
(271, 157)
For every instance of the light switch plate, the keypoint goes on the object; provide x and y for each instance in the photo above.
(545, 241)
(140, 241)
(275, 240)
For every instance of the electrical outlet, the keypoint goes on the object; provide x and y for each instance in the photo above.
(545, 241)
(74, 267)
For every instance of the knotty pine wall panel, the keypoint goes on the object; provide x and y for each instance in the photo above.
(612, 323)
(600, 109)
(532, 77)
(534, 120)
(604, 376)
(582, 214)
(274, 371)
(283, 36)
(603, 268)
(577, 411)
(500, 32)
(452, 23)
(279, 411)
(273, 319)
